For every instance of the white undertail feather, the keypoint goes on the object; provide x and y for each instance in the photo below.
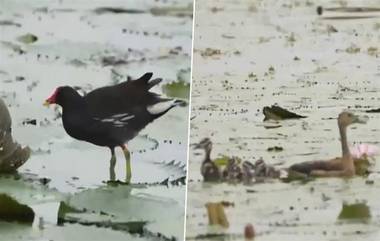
(161, 107)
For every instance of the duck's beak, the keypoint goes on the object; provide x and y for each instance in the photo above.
(361, 119)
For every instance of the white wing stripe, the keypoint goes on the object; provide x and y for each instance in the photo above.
(120, 115)
(117, 120)
(160, 107)
(127, 118)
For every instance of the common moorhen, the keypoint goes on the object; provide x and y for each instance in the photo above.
(111, 116)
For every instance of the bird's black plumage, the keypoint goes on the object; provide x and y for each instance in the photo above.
(112, 115)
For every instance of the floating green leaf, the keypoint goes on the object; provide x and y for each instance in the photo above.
(275, 148)
(64, 209)
(186, 11)
(297, 176)
(27, 38)
(361, 167)
(355, 211)
(178, 89)
(11, 210)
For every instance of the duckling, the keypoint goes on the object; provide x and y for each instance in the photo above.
(248, 172)
(209, 169)
(232, 173)
(263, 170)
(337, 167)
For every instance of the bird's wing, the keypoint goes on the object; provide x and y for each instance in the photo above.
(126, 97)
(117, 120)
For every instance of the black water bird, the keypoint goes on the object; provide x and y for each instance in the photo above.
(113, 115)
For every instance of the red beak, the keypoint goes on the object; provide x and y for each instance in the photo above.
(52, 99)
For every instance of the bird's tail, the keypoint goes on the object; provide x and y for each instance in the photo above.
(153, 82)
(164, 106)
(147, 81)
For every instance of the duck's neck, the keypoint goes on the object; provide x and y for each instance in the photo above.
(208, 154)
(343, 139)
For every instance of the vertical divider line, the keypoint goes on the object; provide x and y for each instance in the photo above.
(189, 118)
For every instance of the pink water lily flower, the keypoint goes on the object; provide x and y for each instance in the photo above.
(364, 151)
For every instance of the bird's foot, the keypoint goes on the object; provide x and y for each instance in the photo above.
(114, 183)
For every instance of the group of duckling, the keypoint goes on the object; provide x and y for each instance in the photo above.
(235, 171)
(348, 165)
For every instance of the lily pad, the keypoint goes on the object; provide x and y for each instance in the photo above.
(27, 38)
(173, 11)
(130, 208)
(373, 111)
(208, 52)
(9, 23)
(11, 210)
(66, 214)
(275, 148)
(115, 10)
(64, 209)
(179, 89)
(355, 211)
(362, 167)
(297, 176)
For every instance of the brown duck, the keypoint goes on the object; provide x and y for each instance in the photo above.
(209, 169)
(337, 167)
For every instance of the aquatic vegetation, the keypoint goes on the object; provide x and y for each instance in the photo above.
(115, 10)
(178, 89)
(209, 52)
(185, 11)
(11, 210)
(216, 214)
(27, 38)
(355, 211)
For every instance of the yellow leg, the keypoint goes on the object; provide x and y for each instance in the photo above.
(112, 167)
(127, 156)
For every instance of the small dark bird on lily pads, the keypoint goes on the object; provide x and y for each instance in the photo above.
(113, 115)
(275, 112)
